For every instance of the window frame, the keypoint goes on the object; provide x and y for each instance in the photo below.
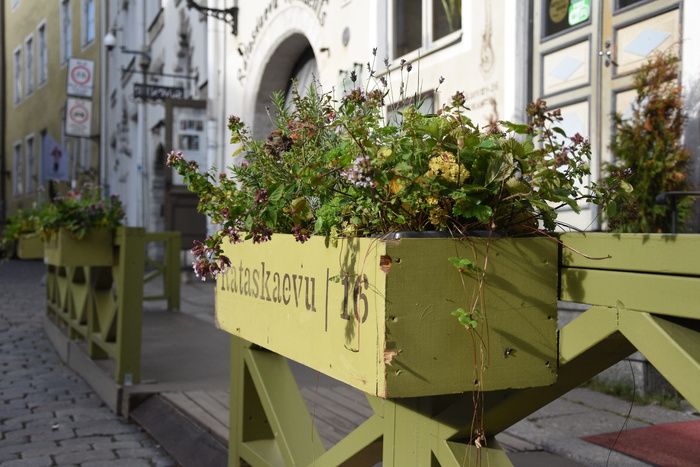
(29, 53)
(31, 179)
(17, 74)
(88, 22)
(17, 170)
(42, 55)
(428, 45)
(66, 25)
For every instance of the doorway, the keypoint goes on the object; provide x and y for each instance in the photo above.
(585, 55)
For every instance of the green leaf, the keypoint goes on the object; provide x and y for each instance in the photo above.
(275, 191)
(559, 130)
(515, 127)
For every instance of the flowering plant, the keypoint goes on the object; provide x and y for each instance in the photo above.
(337, 168)
(80, 211)
(25, 222)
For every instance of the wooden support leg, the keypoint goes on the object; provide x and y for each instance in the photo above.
(270, 424)
(671, 347)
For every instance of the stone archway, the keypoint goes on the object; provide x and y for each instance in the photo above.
(293, 59)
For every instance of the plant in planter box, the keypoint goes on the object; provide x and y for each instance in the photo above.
(75, 223)
(335, 172)
(25, 224)
(647, 146)
(333, 168)
(81, 211)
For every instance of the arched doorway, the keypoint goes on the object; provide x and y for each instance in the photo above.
(294, 59)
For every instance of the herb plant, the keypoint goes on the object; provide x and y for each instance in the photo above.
(334, 167)
(648, 152)
(80, 211)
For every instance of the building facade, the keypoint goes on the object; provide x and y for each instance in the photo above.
(155, 74)
(578, 55)
(50, 105)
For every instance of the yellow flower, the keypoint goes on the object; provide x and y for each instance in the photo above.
(444, 165)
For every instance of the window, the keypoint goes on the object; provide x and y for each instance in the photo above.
(29, 64)
(17, 74)
(88, 21)
(18, 170)
(30, 158)
(419, 24)
(43, 54)
(563, 15)
(66, 44)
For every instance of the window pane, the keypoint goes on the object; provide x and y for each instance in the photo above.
(29, 62)
(626, 3)
(31, 166)
(18, 75)
(407, 26)
(89, 21)
(447, 17)
(43, 55)
(560, 15)
(18, 189)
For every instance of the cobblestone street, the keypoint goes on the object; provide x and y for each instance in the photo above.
(49, 416)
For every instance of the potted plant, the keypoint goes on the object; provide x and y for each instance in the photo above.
(21, 235)
(78, 228)
(362, 300)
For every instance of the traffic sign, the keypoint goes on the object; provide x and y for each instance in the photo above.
(78, 117)
(80, 77)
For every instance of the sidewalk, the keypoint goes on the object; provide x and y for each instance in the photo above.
(49, 416)
(551, 436)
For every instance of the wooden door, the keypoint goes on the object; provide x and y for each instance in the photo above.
(585, 54)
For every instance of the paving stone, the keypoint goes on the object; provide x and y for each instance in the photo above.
(45, 461)
(80, 457)
(39, 392)
(104, 427)
(119, 463)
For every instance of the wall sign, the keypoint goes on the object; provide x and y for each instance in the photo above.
(80, 77)
(151, 92)
(78, 117)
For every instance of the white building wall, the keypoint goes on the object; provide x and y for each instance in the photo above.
(175, 39)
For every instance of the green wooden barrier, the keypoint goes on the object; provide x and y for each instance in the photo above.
(168, 269)
(645, 297)
(102, 305)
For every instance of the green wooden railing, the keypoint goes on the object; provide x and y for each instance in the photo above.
(102, 305)
(645, 297)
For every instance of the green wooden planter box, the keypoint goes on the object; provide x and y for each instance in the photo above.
(30, 246)
(95, 249)
(286, 297)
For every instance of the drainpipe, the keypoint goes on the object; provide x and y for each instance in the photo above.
(104, 139)
(3, 119)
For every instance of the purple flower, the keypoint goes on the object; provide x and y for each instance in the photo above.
(300, 234)
(359, 174)
(174, 157)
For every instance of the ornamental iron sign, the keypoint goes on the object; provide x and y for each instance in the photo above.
(150, 92)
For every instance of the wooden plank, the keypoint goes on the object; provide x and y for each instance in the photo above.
(655, 293)
(672, 348)
(184, 440)
(210, 405)
(355, 409)
(197, 414)
(296, 437)
(654, 253)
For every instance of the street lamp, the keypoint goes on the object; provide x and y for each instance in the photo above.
(110, 41)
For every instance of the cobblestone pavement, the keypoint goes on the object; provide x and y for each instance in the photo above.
(49, 416)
